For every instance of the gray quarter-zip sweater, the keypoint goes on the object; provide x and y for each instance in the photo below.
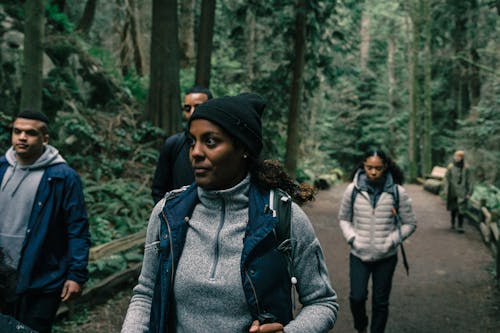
(209, 268)
(208, 292)
(17, 194)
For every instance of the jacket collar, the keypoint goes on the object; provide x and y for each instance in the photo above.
(360, 181)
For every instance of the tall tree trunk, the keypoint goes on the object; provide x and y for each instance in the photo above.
(205, 41)
(130, 48)
(460, 68)
(251, 43)
(124, 49)
(134, 36)
(427, 142)
(164, 88)
(34, 28)
(88, 17)
(474, 74)
(391, 84)
(292, 142)
(365, 37)
(413, 51)
(186, 33)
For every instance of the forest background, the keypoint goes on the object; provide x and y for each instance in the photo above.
(418, 78)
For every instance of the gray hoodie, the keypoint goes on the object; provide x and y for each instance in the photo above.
(17, 194)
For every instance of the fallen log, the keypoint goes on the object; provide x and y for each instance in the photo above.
(103, 291)
(122, 244)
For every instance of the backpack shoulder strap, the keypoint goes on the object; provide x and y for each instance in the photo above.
(354, 193)
(395, 194)
(280, 203)
(397, 220)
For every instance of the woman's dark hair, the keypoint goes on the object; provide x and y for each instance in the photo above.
(269, 174)
(391, 166)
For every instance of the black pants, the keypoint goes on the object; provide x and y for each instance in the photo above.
(455, 215)
(382, 272)
(37, 311)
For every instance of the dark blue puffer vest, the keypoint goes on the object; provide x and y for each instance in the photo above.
(264, 269)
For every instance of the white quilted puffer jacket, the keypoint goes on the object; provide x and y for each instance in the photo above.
(372, 232)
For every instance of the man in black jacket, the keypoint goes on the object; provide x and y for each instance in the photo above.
(173, 169)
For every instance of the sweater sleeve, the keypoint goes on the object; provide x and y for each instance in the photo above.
(318, 299)
(138, 313)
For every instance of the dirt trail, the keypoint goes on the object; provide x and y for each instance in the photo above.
(450, 287)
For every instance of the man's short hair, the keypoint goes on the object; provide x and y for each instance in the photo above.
(199, 90)
(35, 115)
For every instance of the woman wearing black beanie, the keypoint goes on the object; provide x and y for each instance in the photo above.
(212, 259)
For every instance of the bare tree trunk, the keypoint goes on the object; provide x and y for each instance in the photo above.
(34, 28)
(391, 83)
(292, 142)
(251, 44)
(365, 38)
(134, 36)
(164, 88)
(413, 63)
(130, 48)
(186, 33)
(88, 17)
(124, 49)
(460, 68)
(205, 41)
(474, 73)
(427, 140)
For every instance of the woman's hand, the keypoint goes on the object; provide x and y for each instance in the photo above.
(266, 328)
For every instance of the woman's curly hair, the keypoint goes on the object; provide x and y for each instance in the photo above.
(269, 174)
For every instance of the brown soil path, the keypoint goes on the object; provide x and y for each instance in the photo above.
(450, 287)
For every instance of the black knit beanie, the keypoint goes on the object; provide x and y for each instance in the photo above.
(237, 115)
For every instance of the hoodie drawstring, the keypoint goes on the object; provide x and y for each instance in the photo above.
(14, 169)
(10, 176)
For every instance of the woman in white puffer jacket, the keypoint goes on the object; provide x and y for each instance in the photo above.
(368, 223)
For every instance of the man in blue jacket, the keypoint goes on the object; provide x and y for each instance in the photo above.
(43, 226)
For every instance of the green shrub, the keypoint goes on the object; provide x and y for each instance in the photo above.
(488, 196)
